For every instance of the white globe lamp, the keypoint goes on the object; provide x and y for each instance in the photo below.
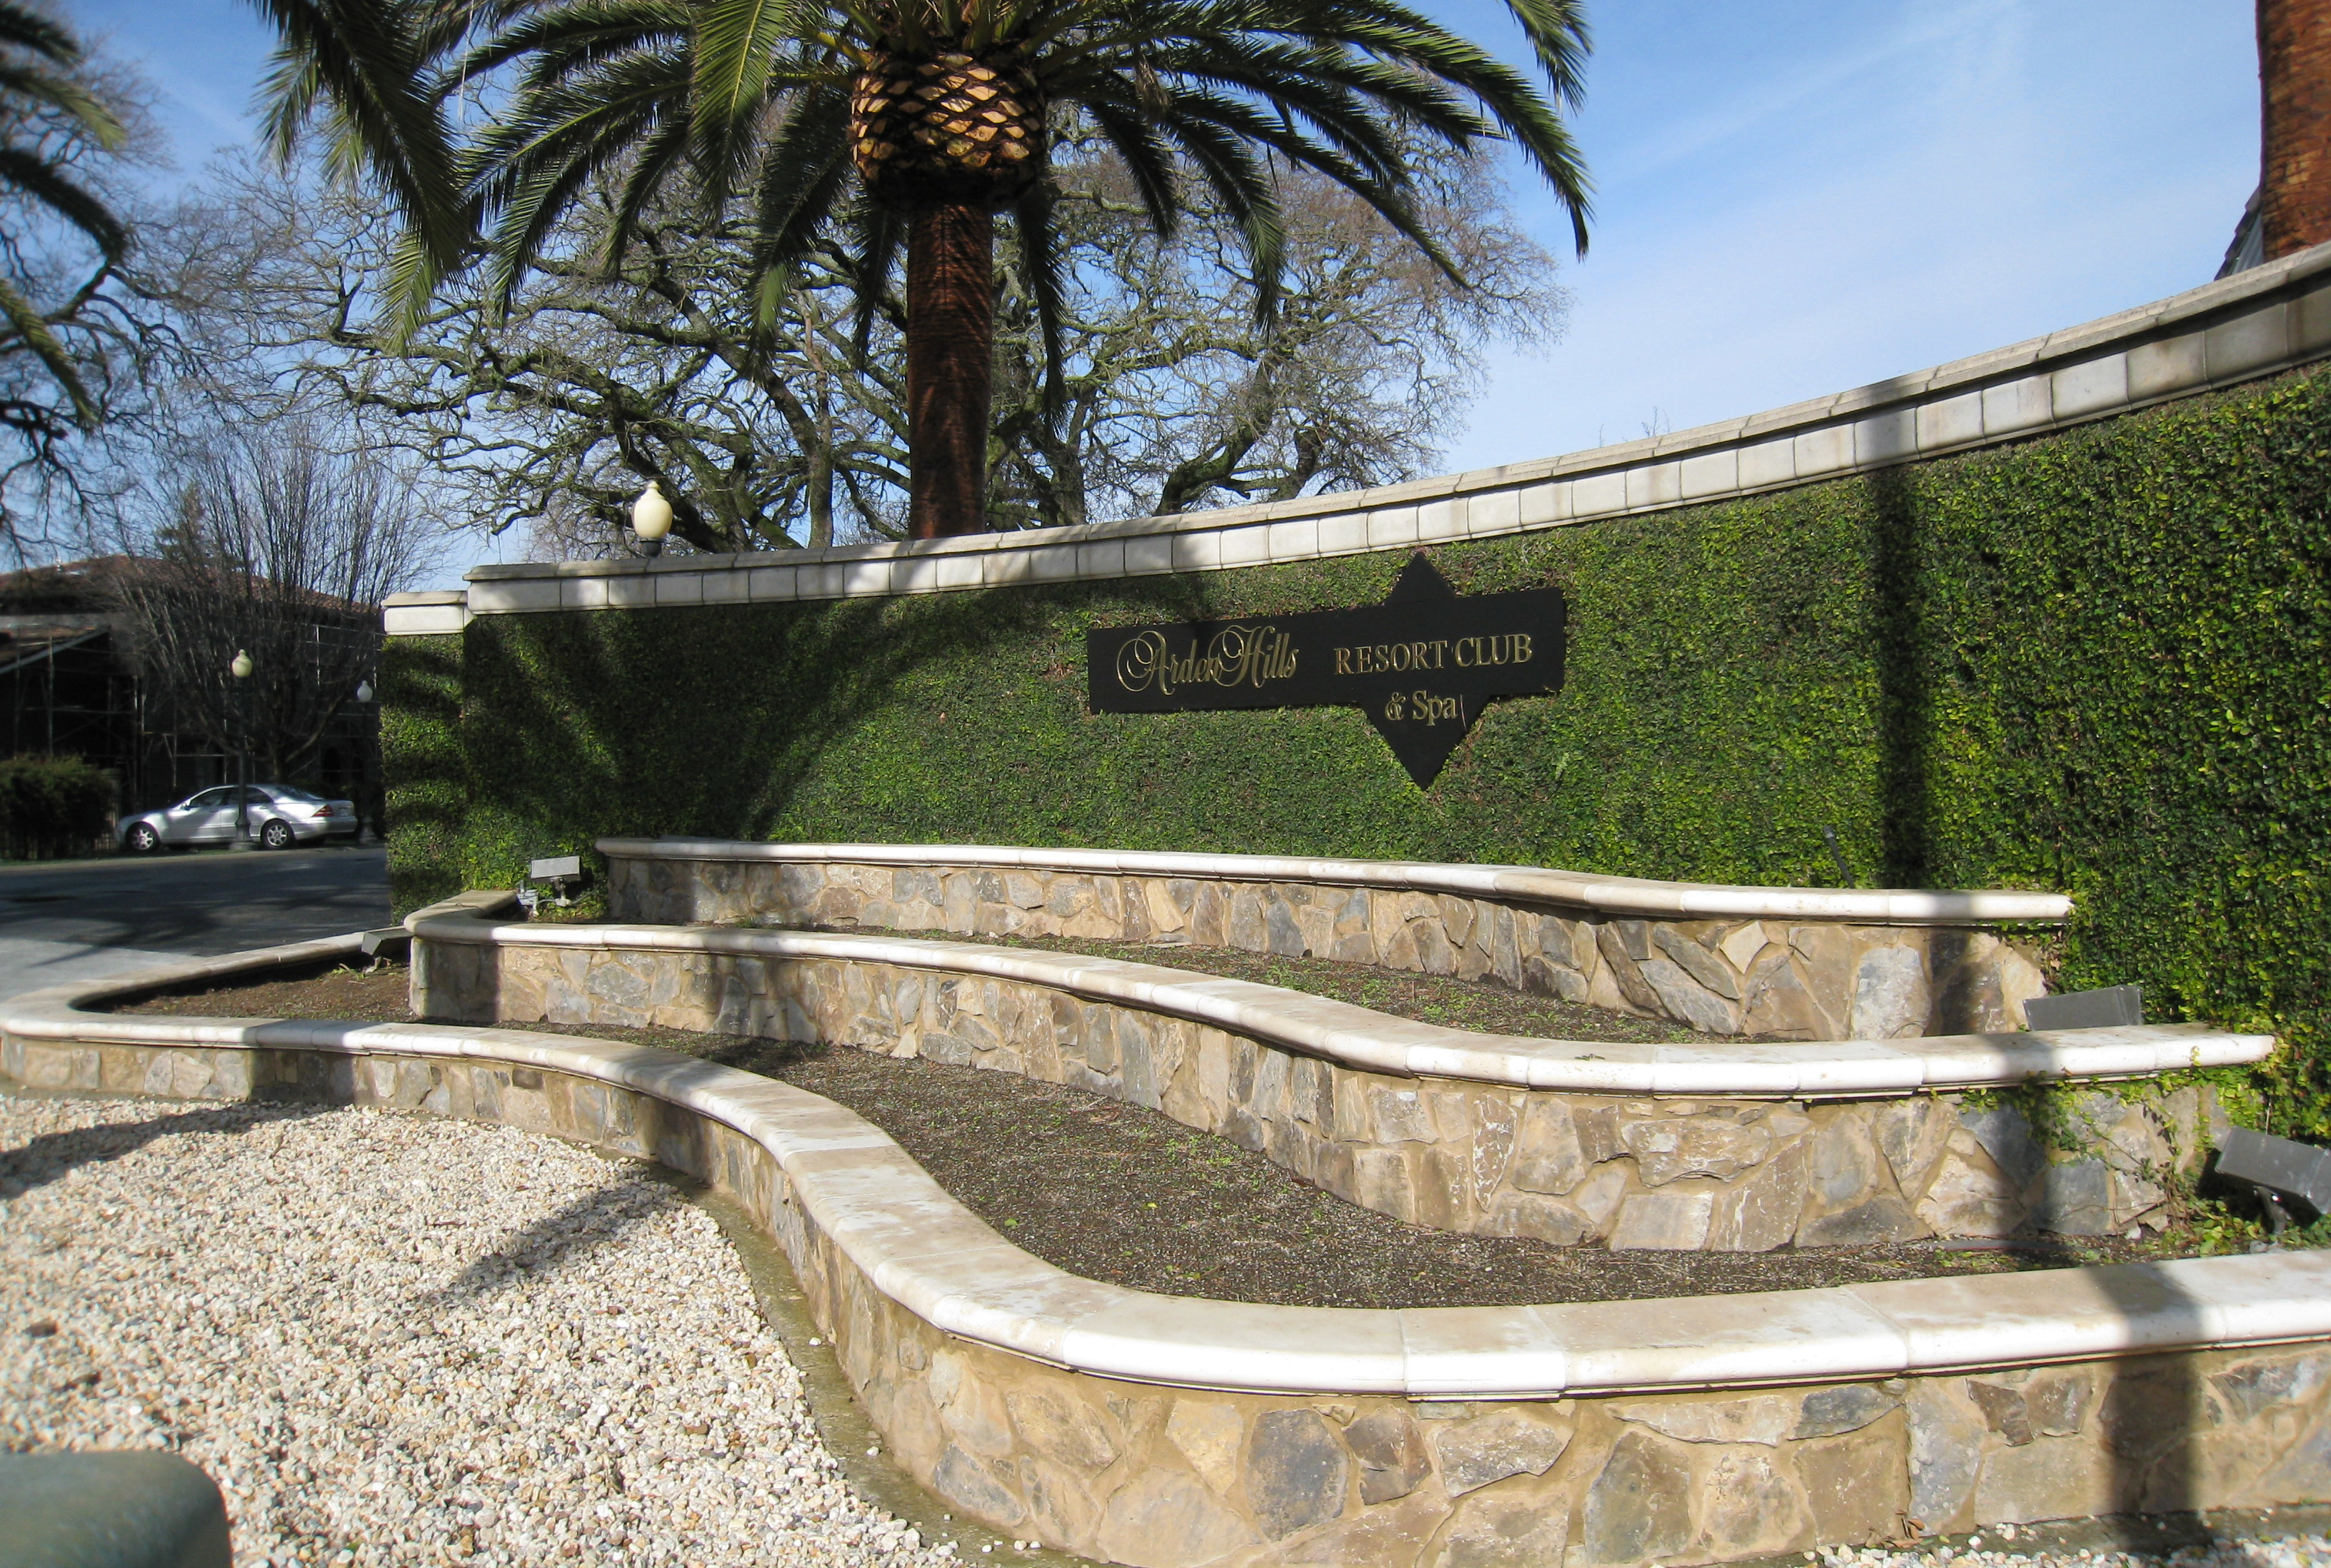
(651, 518)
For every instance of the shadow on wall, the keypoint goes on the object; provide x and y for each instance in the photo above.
(592, 731)
(425, 791)
(2155, 1412)
(1905, 698)
(960, 717)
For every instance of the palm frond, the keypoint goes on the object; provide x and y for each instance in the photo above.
(736, 40)
(364, 57)
(1144, 153)
(45, 183)
(32, 329)
(71, 99)
(804, 171)
(24, 28)
(1040, 258)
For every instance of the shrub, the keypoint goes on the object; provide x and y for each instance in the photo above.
(52, 807)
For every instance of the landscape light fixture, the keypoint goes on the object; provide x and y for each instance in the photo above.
(652, 520)
(364, 691)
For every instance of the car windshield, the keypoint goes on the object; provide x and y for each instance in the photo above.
(286, 792)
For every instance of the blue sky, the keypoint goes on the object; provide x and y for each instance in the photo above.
(1795, 196)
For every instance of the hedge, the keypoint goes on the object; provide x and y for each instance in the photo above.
(52, 807)
(2093, 662)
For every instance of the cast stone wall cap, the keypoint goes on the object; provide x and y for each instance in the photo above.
(1619, 897)
(1373, 1041)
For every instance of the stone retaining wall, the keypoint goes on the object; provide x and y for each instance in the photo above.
(1773, 977)
(1146, 1473)
(1729, 1173)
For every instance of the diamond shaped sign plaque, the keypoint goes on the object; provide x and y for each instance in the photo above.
(1422, 665)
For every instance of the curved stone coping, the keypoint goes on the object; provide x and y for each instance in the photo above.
(1632, 897)
(1376, 1042)
(2233, 329)
(927, 1251)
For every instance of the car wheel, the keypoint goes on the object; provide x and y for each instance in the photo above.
(144, 840)
(276, 835)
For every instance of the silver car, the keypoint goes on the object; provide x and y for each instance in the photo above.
(279, 816)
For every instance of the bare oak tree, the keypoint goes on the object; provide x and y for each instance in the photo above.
(277, 543)
(782, 421)
(1180, 395)
(548, 413)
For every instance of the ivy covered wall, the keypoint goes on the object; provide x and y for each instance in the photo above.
(2094, 662)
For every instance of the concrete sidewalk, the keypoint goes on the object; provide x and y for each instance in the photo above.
(30, 964)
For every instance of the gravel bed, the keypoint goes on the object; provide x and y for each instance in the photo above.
(1989, 1552)
(392, 1339)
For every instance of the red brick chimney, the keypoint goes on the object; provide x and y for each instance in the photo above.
(2294, 114)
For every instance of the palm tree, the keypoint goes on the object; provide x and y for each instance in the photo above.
(880, 125)
(40, 94)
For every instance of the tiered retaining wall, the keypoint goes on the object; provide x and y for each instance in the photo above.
(1156, 1430)
(1786, 963)
(1714, 1147)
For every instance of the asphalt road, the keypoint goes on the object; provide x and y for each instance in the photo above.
(73, 919)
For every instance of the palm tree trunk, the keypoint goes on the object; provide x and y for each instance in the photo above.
(950, 366)
(2295, 141)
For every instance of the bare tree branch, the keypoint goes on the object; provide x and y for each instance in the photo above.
(281, 547)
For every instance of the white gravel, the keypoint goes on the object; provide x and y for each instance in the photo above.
(1991, 1551)
(394, 1339)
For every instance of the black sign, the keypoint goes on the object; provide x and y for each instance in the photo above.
(1420, 665)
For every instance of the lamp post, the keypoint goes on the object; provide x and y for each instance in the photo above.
(364, 759)
(242, 669)
(651, 518)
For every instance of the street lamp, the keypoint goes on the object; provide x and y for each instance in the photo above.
(242, 669)
(651, 518)
(364, 759)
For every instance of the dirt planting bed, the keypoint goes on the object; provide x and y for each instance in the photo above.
(1481, 1006)
(1116, 1192)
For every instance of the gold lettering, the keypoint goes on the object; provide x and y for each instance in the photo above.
(1424, 708)
(1462, 644)
(1141, 659)
(1524, 649)
(1438, 648)
(1343, 661)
